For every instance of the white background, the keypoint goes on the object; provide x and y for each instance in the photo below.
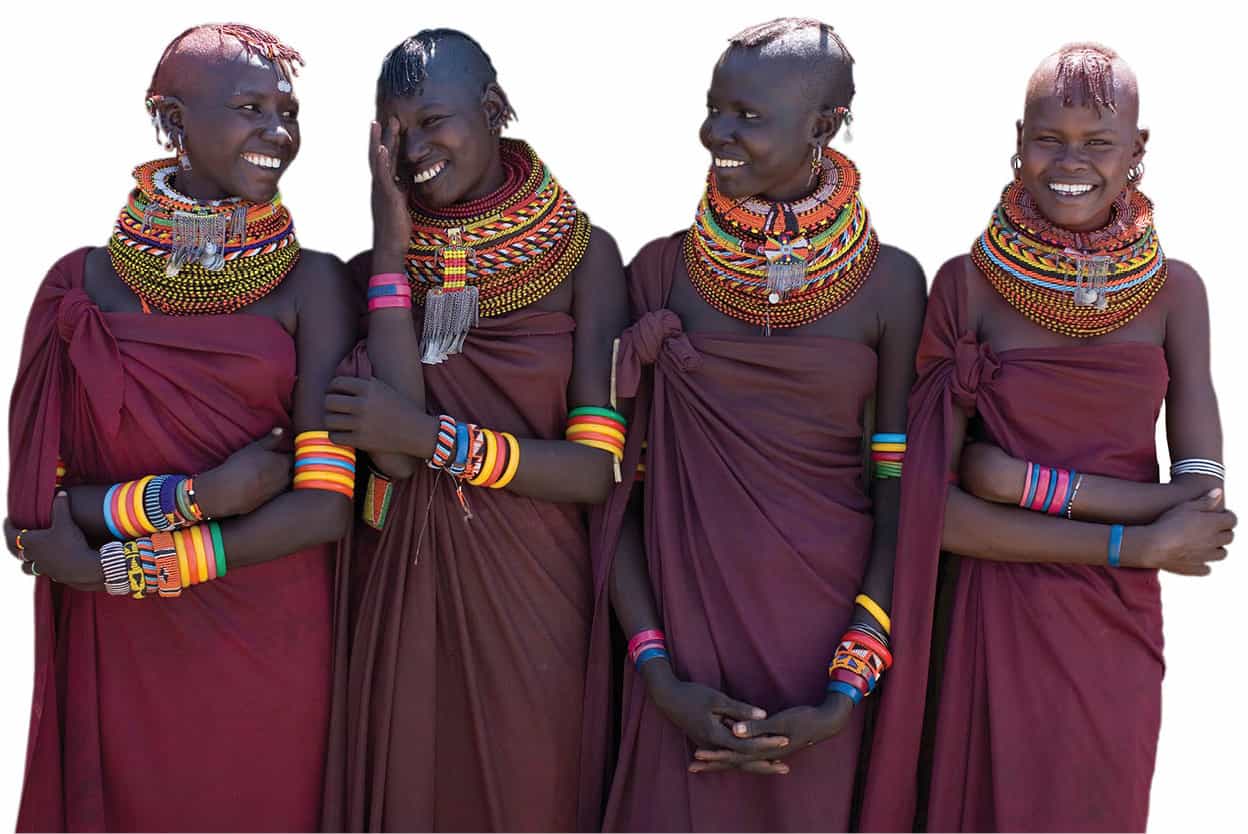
(611, 95)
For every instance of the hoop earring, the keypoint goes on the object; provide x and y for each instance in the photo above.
(816, 164)
(184, 159)
(1016, 164)
(1135, 173)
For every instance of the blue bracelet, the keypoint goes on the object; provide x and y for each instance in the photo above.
(1115, 545)
(888, 438)
(845, 689)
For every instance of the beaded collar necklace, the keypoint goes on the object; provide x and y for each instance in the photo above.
(493, 255)
(189, 257)
(1079, 284)
(783, 264)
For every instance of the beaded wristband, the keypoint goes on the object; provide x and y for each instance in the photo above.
(136, 581)
(1115, 545)
(1070, 505)
(322, 464)
(444, 444)
(377, 497)
(1198, 466)
(181, 548)
(873, 608)
(168, 577)
(113, 564)
(147, 558)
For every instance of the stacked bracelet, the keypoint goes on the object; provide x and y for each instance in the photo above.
(168, 574)
(322, 464)
(113, 564)
(152, 504)
(875, 610)
(476, 456)
(888, 453)
(859, 662)
(647, 645)
(390, 289)
(599, 428)
(1198, 466)
(1048, 489)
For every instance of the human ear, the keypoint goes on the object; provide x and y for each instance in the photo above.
(498, 111)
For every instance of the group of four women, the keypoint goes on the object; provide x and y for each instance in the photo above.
(553, 463)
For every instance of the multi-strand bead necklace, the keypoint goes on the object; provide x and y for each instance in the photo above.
(783, 264)
(188, 257)
(1079, 284)
(492, 255)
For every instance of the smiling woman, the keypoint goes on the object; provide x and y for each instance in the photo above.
(200, 327)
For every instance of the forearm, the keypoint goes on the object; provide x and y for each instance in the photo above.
(1115, 501)
(877, 583)
(393, 344)
(983, 530)
(289, 523)
(632, 597)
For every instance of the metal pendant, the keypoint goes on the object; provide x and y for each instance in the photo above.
(1091, 278)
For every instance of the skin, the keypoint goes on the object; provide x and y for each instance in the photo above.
(231, 106)
(451, 120)
(1180, 527)
(759, 112)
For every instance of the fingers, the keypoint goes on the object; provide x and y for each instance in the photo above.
(10, 537)
(750, 747)
(61, 513)
(708, 767)
(768, 748)
(341, 403)
(343, 438)
(766, 727)
(1211, 500)
(337, 421)
(272, 441)
(374, 144)
(349, 385)
(766, 768)
(737, 710)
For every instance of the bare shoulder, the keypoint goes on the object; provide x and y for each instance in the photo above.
(601, 261)
(1184, 293)
(900, 285)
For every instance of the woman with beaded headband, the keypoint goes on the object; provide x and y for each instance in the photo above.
(752, 573)
(200, 327)
(1052, 347)
(463, 619)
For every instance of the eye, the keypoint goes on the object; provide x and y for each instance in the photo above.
(1048, 139)
(749, 114)
(1100, 142)
(430, 121)
(290, 114)
(254, 108)
(712, 110)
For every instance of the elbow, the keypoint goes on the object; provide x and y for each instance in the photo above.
(600, 483)
(334, 517)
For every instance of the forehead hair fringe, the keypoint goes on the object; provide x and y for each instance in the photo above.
(199, 40)
(1084, 75)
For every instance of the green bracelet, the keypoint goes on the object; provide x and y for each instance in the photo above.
(219, 546)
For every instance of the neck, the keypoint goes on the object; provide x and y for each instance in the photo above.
(492, 180)
(1100, 221)
(197, 187)
(792, 192)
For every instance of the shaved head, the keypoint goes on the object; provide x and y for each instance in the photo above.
(1087, 75)
(442, 54)
(816, 51)
(180, 66)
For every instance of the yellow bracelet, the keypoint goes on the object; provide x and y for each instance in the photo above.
(136, 503)
(584, 428)
(513, 462)
(888, 447)
(490, 458)
(600, 444)
(876, 611)
(321, 475)
(201, 558)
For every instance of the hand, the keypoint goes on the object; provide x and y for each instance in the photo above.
(989, 473)
(60, 552)
(803, 727)
(392, 225)
(249, 478)
(1185, 538)
(368, 414)
(703, 714)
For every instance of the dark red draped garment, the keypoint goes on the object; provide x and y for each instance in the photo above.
(204, 713)
(1050, 701)
(757, 531)
(461, 646)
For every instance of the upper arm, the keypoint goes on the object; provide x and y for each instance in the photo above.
(600, 307)
(1193, 429)
(324, 333)
(901, 323)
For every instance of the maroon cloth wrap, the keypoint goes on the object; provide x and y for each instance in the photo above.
(202, 713)
(1050, 702)
(461, 646)
(757, 531)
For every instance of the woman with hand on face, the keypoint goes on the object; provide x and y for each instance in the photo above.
(753, 571)
(200, 327)
(1056, 341)
(464, 616)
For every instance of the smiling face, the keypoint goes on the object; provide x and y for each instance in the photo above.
(238, 119)
(449, 146)
(762, 125)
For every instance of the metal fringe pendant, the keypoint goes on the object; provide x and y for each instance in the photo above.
(1091, 277)
(197, 237)
(787, 253)
(452, 309)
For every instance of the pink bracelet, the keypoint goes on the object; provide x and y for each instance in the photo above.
(643, 639)
(389, 289)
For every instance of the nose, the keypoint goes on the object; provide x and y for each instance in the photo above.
(1071, 158)
(279, 134)
(715, 131)
(415, 146)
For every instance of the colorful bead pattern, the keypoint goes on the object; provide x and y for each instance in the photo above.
(1048, 489)
(377, 496)
(151, 504)
(260, 247)
(600, 428)
(730, 247)
(863, 654)
(888, 453)
(1037, 267)
(322, 464)
(520, 244)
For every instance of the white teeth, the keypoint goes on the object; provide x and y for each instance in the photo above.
(263, 161)
(1070, 189)
(429, 173)
(727, 163)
